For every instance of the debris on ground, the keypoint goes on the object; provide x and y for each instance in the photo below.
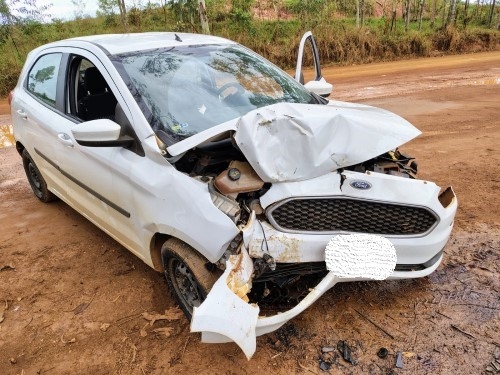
(327, 349)
(71, 341)
(345, 351)
(324, 365)
(143, 332)
(170, 314)
(7, 267)
(327, 357)
(81, 308)
(408, 354)
(165, 331)
(493, 367)
(456, 328)
(382, 353)
(399, 360)
(282, 338)
(2, 311)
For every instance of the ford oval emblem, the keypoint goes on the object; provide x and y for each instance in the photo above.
(361, 185)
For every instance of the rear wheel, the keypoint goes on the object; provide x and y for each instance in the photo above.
(37, 183)
(188, 277)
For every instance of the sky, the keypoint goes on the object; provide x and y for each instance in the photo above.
(65, 10)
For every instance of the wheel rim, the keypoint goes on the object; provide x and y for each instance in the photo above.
(34, 177)
(185, 285)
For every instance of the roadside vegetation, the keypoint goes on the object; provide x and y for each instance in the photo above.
(346, 31)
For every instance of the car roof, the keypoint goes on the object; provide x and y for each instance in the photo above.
(123, 43)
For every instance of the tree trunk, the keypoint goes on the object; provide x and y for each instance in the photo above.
(164, 6)
(444, 13)
(407, 15)
(492, 11)
(205, 29)
(416, 7)
(123, 14)
(466, 15)
(420, 13)
(357, 14)
(433, 13)
(451, 13)
(362, 10)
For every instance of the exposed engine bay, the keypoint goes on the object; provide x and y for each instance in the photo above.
(211, 159)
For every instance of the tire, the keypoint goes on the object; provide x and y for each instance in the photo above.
(35, 178)
(188, 277)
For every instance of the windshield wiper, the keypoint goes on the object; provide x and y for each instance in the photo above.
(316, 99)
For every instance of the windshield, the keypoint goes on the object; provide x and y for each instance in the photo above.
(185, 90)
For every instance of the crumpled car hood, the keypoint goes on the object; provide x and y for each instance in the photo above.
(293, 142)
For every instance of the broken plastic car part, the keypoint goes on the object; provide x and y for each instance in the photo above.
(226, 316)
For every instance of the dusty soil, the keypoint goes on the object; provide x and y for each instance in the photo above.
(71, 299)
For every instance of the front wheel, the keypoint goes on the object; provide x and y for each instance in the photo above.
(188, 277)
(37, 183)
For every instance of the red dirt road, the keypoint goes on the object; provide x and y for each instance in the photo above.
(71, 298)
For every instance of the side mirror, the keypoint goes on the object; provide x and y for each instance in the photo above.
(100, 133)
(318, 86)
(321, 87)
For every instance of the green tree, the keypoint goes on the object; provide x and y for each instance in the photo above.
(22, 15)
(185, 11)
(108, 8)
(30, 10)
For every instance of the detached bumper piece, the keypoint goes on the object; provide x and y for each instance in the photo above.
(226, 316)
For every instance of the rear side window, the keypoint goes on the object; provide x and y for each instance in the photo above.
(42, 78)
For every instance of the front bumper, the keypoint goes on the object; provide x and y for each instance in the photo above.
(417, 255)
(267, 324)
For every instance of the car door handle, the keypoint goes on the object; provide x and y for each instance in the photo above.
(66, 139)
(22, 114)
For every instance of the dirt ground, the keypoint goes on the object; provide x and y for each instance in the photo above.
(72, 299)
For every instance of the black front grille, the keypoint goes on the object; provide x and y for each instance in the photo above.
(350, 215)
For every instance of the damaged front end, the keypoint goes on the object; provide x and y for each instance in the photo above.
(293, 178)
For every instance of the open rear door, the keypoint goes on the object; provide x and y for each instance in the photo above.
(318, 85)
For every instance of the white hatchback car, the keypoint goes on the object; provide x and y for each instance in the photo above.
(200, 156)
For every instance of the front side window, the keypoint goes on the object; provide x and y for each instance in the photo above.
(90, 97)
(185, 90)
(42, 78)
